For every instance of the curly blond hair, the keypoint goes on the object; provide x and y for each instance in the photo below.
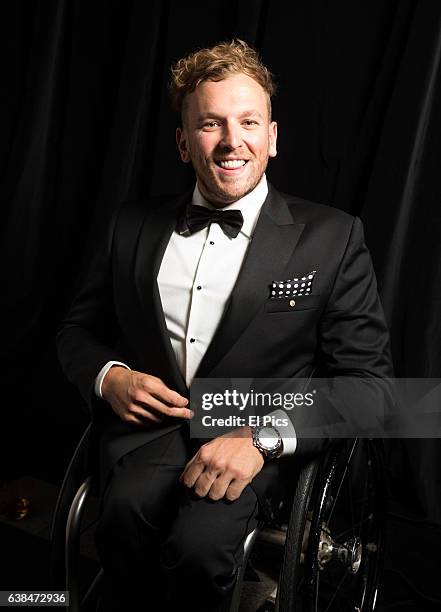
(215, 64)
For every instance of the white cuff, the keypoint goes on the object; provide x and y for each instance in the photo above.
(101, 374)
(287, 432)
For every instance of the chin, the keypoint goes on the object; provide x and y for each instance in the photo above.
(232, 195)
(242, 190)
(228, 192)
(238, 189)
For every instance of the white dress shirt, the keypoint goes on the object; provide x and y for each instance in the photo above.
(197, 275)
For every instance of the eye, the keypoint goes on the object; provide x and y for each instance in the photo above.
(250, 123)
(211, 124)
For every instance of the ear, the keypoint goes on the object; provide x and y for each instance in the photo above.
(272, 138)
(181, 141)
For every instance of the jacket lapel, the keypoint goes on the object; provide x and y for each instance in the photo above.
(273, 242)
(155, 233)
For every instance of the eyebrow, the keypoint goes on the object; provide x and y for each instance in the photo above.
(248, 113)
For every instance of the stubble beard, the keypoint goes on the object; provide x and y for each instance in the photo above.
(213, 191)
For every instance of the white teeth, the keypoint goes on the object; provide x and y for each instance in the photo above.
(232, 163)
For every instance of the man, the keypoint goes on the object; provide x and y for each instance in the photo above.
(185, 287)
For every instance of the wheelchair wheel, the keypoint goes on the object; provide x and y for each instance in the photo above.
(335, 538)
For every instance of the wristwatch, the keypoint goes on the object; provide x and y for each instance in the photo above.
(268, 440)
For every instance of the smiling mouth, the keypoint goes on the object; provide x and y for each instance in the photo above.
(230, 164)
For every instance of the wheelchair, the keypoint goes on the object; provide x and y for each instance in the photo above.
(332, 523)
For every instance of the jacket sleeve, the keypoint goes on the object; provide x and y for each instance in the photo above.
(88, 334)
(353, 358)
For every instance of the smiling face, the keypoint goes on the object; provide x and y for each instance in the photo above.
(228, 137)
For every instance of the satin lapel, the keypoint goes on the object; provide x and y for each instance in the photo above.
(154, 236)
(274, 240)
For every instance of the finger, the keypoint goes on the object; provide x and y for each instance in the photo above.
(219, 487)
(204, 483)
(156, 387)
(146, 415)
(191, 472)
(153, 404)
(133, 420)
(170, 411)
(235, 488)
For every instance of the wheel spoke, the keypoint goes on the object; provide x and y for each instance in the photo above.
(365, 498)
(340, 584)
(317, 592)
(343, 533)
(351, 504)
(341, 481)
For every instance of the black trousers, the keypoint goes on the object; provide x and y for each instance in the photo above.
(160, 546)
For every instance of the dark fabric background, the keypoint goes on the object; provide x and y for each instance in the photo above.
(85, 123)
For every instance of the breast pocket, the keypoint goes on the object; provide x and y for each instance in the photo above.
(292, 304)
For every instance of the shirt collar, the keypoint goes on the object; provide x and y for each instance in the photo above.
(249, 205)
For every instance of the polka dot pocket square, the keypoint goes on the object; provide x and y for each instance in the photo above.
(295, 287)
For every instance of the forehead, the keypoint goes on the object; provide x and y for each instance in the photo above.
(235, 94)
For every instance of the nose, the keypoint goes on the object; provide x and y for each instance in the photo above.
(231, 137)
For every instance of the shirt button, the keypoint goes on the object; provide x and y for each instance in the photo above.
(192, 340)
(292, 303)
(198, 287)
(211, 242)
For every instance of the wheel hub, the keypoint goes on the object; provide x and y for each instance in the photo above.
(348, 553)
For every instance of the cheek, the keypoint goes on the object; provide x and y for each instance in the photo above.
(203, 147)
(259, 146)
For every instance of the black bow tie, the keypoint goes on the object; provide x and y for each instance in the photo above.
(198, 217)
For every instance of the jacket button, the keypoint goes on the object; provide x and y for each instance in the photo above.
(292, 303)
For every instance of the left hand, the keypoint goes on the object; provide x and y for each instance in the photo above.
(224, 466)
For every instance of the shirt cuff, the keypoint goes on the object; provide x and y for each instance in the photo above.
(101, 374)
(287, 432)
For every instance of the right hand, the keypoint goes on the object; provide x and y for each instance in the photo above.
(140, 398)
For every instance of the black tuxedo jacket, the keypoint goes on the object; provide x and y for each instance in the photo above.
(117, 315)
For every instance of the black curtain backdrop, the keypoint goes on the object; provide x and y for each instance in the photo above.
(85, 123)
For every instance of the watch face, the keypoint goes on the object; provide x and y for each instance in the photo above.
(268, 438)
